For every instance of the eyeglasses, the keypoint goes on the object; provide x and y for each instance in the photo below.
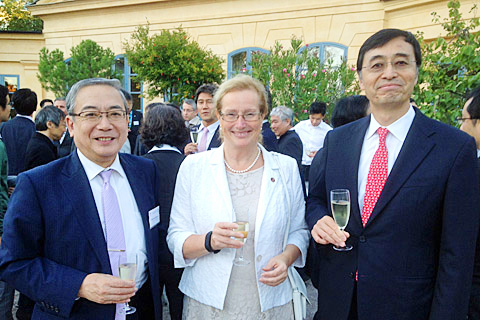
(399, 65)
(232, 116)
(460, 120)
(96, 116)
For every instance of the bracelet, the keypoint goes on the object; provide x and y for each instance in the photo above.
(208, 243)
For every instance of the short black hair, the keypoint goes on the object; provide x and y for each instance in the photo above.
(24, 101)
(349, 109)
(380, 38)
(3, 96)
(473, 108)
(318, 107)
(209, 88)
(48, 113)
(163, 124)
(42, 103)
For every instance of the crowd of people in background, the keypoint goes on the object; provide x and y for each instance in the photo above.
(214, 201)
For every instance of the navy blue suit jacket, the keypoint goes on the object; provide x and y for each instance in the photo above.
(291, 145)
(40, 151)
(269, 139)
(16, 134)
(53, 236)
(415, 255)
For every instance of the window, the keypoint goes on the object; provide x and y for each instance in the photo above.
(130, 81)
(239, 60)
(12, 82)
(327, 51)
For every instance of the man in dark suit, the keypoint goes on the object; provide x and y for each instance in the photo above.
(64, 145)
(414, 201)
(72, 222)
(209, 130)
(470, 124)
(269, 139)
(16, 133)
(135, 119)
(289, 142)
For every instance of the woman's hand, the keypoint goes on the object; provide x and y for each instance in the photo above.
(222, 235)
(276, 271)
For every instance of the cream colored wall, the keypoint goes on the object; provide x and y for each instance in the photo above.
(227, 25)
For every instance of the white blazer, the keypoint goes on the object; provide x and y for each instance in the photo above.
(202, 198)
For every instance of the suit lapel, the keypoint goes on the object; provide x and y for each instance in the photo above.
(416, 147)
(77, 189)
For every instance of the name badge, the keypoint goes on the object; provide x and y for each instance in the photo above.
(136, 123)
(154, 217)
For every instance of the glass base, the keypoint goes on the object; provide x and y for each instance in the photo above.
(346, 248)
(129, 309)
(241, 262)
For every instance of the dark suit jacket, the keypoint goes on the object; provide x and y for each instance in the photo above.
(16, 134)
(291, 145)
(415, 255)
(66, 147)
(214, 143)
(168, 162)
(40, 150)
(53, 236)
(474, 306)
(269, 139)
(135, 121)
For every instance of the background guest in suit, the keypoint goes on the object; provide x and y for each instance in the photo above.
(163, 132)
(470, 124)
(414, 201)
(210, 125)
(65, 144)
(135, 119)
(50, 125)
(269, 139)
(212, 191)
(190, 114)
(16, 133)
(289, 142)
(46, 102)
(96, 210)
(6, 291)
(349, 109)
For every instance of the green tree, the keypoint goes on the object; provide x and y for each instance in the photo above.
(88, 60)
(15, 17)
(171, 64)
(451, 66)
(298, 79)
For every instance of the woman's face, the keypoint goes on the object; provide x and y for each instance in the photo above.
(241, 133)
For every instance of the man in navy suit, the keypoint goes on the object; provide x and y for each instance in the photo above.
(16, 133)
(209, 130)
(414, 243)
(57, 243)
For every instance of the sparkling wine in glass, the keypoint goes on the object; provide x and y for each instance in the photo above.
(194, 134)
(128, 271)
(243, 228)
(340, 201)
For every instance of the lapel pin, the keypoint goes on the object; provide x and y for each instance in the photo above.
(273, 179)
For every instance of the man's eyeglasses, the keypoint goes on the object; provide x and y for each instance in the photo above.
(96, 116)
(461, 120)
(379, 66)
(232, 117)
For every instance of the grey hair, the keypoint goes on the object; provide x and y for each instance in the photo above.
(48, 113)
(59, 99)
(283, 112)
(72, 94)
(192, 103)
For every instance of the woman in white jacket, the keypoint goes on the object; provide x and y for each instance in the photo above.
(240, 181)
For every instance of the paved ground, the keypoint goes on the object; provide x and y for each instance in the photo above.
(312, 295)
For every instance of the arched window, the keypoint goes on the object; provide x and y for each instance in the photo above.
(130, 81)
(327, 52)
(239, 60)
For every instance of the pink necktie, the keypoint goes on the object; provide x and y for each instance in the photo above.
(377, 176)
(203, 143)
(114, 232)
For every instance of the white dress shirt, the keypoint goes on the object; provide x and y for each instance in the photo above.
(131, 218)
(28, 117)
(211, 131)
(394, 142)
(312, 138)
(164, 147)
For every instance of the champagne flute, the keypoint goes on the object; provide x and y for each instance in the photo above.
(309, 150)
(243, 228)
(194, 134)
(340, 201)
(128, 271)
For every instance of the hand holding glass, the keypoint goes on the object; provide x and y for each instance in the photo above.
(340, 201)
(243, 228)
(194, 134)
(128, 271)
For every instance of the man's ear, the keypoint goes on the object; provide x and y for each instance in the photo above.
(69, 121)
(50, 125)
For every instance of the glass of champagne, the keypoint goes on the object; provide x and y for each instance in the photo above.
(340, 201)
(128, 271)
(243, 228)
(194, 134)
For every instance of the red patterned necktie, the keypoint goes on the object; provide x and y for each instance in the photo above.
(377, 176)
